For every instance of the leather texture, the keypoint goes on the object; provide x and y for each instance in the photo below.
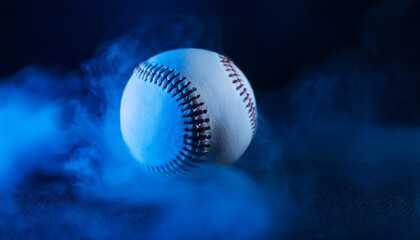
(153, 123)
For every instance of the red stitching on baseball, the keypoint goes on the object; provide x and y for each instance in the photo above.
(165, 76)
(191, 107)
(181, 89)
(188, 101)
(185, 163)
(197, 145)
(200, 129)
(201, 137)
(158, 76)
(227, 63)
(197, 135)
(170, 80)
(175, 85)
(187, 156)
(196, 113)
(179, 166)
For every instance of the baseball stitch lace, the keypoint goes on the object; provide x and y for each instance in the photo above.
(197, 129)
(239, 83)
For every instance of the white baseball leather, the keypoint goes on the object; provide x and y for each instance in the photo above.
(185, 108)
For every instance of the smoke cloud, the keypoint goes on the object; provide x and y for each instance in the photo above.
(336, 152)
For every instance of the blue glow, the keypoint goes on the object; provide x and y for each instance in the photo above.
(340, 143)
(61, 146)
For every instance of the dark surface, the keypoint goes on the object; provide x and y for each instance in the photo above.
(336, 154)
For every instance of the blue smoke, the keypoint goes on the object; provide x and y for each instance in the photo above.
(336, 152)
(63, 157)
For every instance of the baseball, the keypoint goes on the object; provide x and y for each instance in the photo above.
(186, 108)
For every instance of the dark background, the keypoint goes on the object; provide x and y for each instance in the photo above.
(336, 154)
(267, 38)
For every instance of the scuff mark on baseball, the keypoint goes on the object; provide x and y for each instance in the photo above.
(187, 108)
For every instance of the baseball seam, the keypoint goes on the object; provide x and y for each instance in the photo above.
(197, 129)
(239, 83)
